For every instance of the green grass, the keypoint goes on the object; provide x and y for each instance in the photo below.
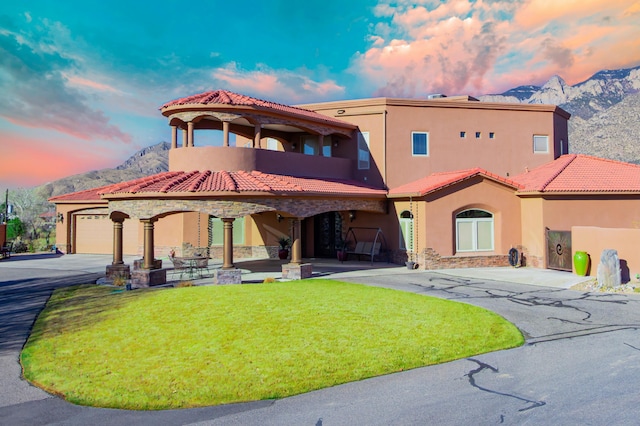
(199, 346)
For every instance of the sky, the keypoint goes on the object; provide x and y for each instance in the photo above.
(81, 82)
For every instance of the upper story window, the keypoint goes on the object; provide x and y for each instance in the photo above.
(363, 151)
(272, 144)
(463, 134)
(326, 146)
(420, 143)
(540, 144)
(310, 145)
(478, 135)
(474, 231)
(492, 135)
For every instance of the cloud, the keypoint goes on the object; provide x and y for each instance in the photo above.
(481, 46)
(49, 159)
(37, 93)
(281, 85)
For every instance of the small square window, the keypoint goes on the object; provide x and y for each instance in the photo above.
(478, 134)
(540, 143)
(492, 135)
(463, 134)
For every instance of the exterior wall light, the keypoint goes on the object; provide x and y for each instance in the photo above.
(279, 217)
(60, 217)
(352, 215)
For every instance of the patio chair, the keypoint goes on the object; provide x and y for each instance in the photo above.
(202, 265)
(179, 266)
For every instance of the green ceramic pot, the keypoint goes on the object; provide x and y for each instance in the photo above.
(581, 263)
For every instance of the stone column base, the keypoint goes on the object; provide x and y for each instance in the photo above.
(139, 263)
(148, 277)
(293, 271)
(122, 270)
(227, 276)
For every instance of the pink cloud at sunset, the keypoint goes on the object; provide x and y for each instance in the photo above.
(282, 84)
(476, 47)
(27, 162)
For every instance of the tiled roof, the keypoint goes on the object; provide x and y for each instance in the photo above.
(438, 181)
(581, 173)
(227, 182)
(225, 97)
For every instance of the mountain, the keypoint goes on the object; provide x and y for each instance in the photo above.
(605, 111)
(147, 161)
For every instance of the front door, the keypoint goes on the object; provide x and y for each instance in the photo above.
(327, 231)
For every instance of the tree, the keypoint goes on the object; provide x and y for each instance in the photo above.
(28, 206)
(15, 228)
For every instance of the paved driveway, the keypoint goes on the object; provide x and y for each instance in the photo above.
(580, 365)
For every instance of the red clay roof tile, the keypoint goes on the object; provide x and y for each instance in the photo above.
(581, 173)
(225, 97)
(223, 181)
(437, 181)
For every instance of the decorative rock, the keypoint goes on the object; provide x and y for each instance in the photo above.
(609, 274)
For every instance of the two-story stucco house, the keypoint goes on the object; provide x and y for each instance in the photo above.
(447, 182)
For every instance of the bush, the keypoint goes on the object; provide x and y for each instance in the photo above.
(20, 246)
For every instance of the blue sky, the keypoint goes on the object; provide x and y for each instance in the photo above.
(82, 81)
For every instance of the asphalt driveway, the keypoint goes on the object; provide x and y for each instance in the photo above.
(580, 364)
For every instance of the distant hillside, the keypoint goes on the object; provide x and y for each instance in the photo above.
(605, 111)
(148, 161)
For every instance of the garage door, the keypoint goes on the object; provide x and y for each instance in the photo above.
(94, 234)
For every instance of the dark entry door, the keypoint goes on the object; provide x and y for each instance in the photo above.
(559, 250)
(327, 231)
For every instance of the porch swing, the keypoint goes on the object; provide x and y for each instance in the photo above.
(371, 243)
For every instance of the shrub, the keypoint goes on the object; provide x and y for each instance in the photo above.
(269, 280)
(119, 280)
(185, 284)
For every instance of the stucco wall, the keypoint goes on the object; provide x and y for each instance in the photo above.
(561, 213)
(594, 240)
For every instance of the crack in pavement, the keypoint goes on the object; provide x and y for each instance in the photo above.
(483, 366)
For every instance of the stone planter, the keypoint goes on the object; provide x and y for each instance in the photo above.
(283, 254)
(410, 265)
(581, 263)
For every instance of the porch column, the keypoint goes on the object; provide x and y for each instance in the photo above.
(320, 142)
(227, 244)
(117, 242)
(190, 133)
(257, 137)
(225, 133)
(185, 138)
(148, 262)
(296, 245)
(174, 137)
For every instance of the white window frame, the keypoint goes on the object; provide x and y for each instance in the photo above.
(545, 138)
(364, 155)
(413, 144)
(474, 230)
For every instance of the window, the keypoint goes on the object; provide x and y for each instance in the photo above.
(272, 144)
(420, 142)
(326, 147)
(363, 151)
(474, 231)
(406, 231)
(492, 135)
(216, 231)
(310, 145)
(478, 134)
(540, 144)
(463, 134)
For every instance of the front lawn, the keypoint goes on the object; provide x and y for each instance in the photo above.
(199, 346)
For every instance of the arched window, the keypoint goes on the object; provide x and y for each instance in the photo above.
(474, 231)
(406, 230)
